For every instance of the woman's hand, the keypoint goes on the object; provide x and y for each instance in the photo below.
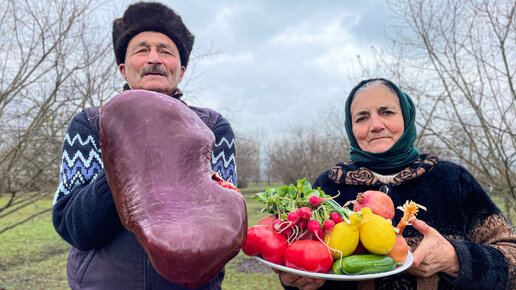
(434, 254)
(305, 283)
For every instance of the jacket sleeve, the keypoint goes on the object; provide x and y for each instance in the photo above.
(487, 260)
(223, 157)
(84, 212)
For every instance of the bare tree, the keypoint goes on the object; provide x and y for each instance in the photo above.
(308, 151)
(248, 159)
(55, 61)
(458, 59)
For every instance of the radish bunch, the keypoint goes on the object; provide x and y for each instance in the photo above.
(302, 212)
(294, 231)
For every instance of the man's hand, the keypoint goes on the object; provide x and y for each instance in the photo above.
(434, 254)
(304, 283)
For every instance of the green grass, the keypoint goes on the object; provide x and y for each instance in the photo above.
(237, 280)
(33, 256)
(500, 204)
(260, 186)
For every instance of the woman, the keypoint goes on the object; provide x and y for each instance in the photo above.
(461, 241)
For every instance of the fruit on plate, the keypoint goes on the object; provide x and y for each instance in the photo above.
(400, 249)
(343, 239)
(264, 241)
(309, 255)
(376, 233)
(364, 264)
(379, 203)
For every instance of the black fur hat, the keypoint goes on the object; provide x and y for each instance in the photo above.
(147, 16)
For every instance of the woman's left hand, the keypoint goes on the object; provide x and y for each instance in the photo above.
(300, 282)
(434, 254)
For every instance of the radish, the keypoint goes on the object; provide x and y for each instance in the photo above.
(314, 227)
(267, 220)
(336, 218)
(316, 201)
(293, 217)
(277, 225)
(308, 255)
(267, 243)
(288, 232)
(328, 225)
(304, 213)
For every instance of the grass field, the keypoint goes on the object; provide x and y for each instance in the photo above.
(33, 256)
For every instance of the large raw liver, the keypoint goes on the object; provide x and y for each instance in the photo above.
(157, 159)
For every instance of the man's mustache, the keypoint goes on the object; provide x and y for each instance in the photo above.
(153, 69)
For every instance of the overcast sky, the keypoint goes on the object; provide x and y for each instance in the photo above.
(278, 62)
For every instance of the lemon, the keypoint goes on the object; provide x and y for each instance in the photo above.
(376, 233)
(343, 239)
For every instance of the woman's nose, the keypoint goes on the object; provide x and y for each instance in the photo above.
(376, 123)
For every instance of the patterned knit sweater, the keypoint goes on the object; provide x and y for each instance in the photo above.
(84, 212)
(457, 207)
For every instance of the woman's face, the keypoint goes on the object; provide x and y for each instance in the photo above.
(377, 119)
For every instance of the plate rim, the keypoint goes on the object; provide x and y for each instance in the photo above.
(341, 277)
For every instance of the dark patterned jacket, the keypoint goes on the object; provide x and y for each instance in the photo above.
(104, 255)
(457, 207)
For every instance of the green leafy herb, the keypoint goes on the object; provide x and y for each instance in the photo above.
(287, 198)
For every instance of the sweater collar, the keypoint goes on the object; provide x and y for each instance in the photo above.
(176, 93)
(351, 173)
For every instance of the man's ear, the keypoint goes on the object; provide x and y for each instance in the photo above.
(180, 78)
(121, 68)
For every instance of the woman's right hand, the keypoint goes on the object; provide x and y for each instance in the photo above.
(304, 283)
(434, 254)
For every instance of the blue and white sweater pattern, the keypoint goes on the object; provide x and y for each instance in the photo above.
(81, 158)
(84, 213)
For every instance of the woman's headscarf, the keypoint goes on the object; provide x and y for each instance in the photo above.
(402, 152)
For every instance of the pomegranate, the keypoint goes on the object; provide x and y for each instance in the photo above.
(379, 202)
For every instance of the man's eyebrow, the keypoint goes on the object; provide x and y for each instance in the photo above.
(142, 43)
(163, 45)
(158, 45)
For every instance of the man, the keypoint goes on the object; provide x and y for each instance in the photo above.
(152, 48)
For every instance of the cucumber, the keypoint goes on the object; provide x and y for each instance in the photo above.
(367, 264)
(336, 268)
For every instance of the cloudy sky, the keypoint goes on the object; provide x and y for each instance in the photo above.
(276, 63)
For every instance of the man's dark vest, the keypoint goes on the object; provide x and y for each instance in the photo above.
(122, 263)
(208, 116)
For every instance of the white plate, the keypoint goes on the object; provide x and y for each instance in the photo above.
(338, 277)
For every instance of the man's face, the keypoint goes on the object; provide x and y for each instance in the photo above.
(152, 63)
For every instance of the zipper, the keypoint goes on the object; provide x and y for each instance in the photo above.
(147, 271)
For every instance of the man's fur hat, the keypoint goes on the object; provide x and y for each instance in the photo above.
(146, 16)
